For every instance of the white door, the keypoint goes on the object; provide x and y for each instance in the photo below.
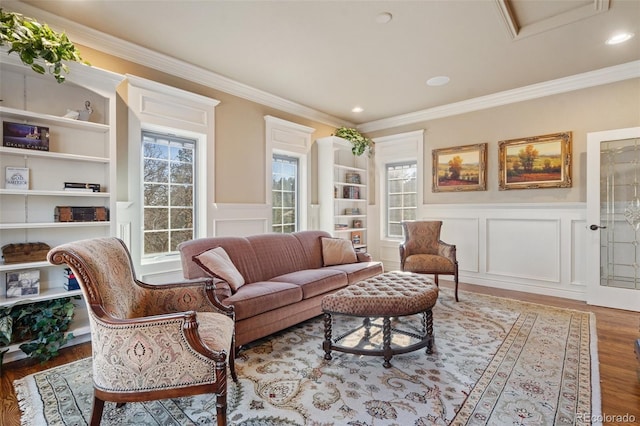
(613, 218)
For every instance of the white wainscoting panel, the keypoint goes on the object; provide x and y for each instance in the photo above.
(523, 248)
(537, 248)
(240, 220)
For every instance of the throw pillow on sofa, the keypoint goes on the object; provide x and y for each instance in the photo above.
(216, 262)
(337, 251)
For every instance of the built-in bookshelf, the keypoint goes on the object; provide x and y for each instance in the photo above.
(75, 151)
(342, 190)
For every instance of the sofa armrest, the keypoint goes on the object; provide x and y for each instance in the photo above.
(364, 257)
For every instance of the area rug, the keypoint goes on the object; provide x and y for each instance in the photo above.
(496, 361)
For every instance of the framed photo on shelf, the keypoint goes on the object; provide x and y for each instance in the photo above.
(357, 223)
(356, 237)
(16, 178)
(23, 283)
(26, 136)
(535, 162)
(461, 168)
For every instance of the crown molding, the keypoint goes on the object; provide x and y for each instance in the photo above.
(553, 87)
(146, 57)
(128, 51)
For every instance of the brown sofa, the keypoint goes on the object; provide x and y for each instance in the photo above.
(284, 274)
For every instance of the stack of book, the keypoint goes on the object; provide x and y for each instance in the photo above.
(71, 282)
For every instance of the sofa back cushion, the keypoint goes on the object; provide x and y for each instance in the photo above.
(278, 254)
(238, 249)
(258, 257)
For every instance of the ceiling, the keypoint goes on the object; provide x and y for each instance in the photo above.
(331, 56)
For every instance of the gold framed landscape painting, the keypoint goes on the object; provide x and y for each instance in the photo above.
(536, 162)
(461, 168)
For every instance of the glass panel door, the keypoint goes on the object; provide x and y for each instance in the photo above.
(613, 215)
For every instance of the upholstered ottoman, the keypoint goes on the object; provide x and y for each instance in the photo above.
(388, 295)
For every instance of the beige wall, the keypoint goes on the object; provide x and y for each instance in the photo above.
(240, 135)
(605, 107)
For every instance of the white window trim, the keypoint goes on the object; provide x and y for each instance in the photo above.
(292, 139)
(402, 147)
(163, 109)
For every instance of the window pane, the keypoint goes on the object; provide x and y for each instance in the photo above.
(178, 237)
(401, 196)
(169, 187)
(156, 171)
(284, 193)
(181, 218)
(182, 195)
(155, 218)
(156, 242)
(181, 173)
(155, 195)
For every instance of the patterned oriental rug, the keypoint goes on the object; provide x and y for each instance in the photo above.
(496, 361)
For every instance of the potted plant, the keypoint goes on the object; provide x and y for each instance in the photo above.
(42, 326)
(360, 143)
(36, 43)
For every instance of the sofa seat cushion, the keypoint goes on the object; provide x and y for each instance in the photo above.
(315, 281)
(359, 271)
(255, 298)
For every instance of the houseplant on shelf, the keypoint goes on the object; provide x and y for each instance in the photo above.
(36, 43)
(42, 326)
(360, 143)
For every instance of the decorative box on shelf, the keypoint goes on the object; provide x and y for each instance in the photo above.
(25, 252)
(81, 214)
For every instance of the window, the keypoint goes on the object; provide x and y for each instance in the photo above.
(284, 193)
(401, 196)
(168, 175)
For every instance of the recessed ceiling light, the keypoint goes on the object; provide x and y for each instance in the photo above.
(357, 109)
(384, 18)
(619, 38)
(440, 80)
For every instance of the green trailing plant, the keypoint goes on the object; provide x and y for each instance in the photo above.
(42, 326)
(360, 143)
(36, 43)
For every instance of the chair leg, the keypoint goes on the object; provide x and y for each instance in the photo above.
(96, 414)
(232, 363)
(221, 407)
(435, 278)
(456, 281)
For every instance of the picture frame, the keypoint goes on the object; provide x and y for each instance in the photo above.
(357, 223)
(23, 283)
(16, 178)
(356, 237)
(460, 168)
(535, 162)
(25, 136)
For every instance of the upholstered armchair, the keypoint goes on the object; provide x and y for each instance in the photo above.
(423, 252)
(149, 341)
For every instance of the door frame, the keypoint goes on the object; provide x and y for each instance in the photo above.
(611, 297)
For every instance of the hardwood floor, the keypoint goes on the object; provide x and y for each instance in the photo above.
(617, 331)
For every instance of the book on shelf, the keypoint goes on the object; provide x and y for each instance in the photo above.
(16, 178)
(82, 186)
(71, 282)
(23, 283)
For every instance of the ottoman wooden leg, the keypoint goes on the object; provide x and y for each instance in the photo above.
(386, 341)
(427, 325)
(366, 322)
(326, 345)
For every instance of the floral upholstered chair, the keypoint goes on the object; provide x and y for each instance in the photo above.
(423, 252)
(149, 341)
